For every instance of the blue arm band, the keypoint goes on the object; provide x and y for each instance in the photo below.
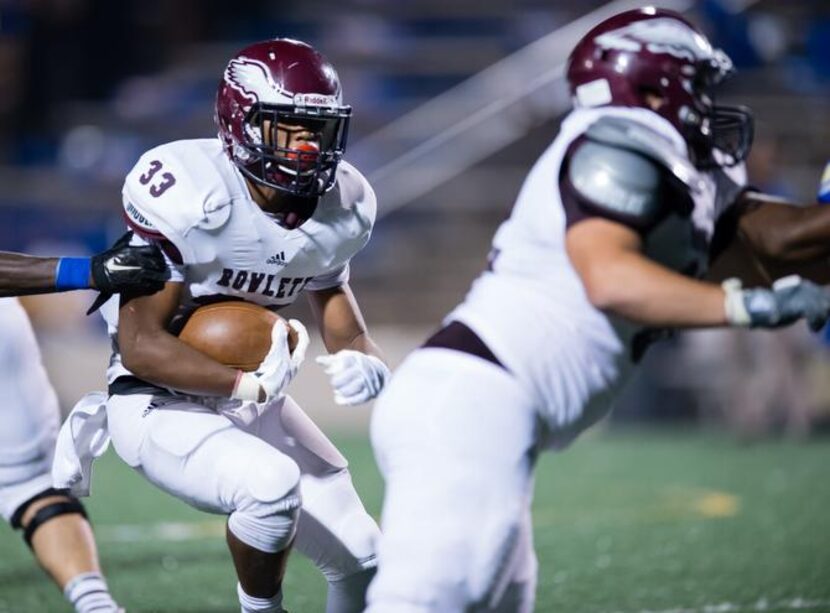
(72, 273)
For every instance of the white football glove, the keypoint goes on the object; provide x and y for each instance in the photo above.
(278, 368)
(355, 377)
(790, 299)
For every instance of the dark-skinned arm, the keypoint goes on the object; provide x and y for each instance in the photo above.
(22, 275)
(774, 238)
(138, 269)
(784, 231)
(340, 321)
(150, 352)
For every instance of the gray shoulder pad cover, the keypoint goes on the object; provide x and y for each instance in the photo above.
(626, 134)
(618, 181)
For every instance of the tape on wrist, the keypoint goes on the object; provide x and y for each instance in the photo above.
(72, 273)
(733, 303)
(247, 387)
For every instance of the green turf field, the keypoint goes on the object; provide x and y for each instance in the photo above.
(640, 521)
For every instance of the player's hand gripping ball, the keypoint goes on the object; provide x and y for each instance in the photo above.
(265, 348)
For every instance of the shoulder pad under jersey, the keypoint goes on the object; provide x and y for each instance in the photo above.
(619, 182)
(624, 133)
(357, 194)
(351, 207)
(174, 189)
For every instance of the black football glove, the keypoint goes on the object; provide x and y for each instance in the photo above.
(121, 268)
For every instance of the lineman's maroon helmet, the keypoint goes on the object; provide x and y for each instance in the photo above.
(656, 51)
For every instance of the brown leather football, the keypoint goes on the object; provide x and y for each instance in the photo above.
(235, 333)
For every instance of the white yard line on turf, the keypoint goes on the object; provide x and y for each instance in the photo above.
(163, 531)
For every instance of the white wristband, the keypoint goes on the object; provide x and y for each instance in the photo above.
(247, 387)
(733, 304)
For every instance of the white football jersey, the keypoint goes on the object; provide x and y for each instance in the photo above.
(28, 404)
(530, 306)
(188, 193)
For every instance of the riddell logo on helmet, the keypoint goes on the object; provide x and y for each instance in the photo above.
(314, 100)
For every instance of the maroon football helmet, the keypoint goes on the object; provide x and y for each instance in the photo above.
(286, 82)
(657, 51)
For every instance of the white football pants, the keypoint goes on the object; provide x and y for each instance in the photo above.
(200, 457)
(454, 437)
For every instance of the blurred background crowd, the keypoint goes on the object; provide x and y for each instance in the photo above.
(453, 102)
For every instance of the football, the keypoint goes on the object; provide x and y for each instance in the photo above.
(235, 333)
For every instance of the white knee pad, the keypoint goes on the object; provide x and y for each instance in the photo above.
(336, 533)
(266, 515)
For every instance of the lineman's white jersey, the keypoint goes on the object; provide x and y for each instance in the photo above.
(191, 198)
(530, 307)
(29, 411)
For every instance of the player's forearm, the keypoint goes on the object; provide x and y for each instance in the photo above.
(22, 275)
(783, 231)
(642, 291)
(347, 330)
(163, 359)
(361, 342)
(341, 323)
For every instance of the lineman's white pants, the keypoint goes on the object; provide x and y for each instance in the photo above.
(454, 436)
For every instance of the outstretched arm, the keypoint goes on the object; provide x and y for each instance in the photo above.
(784, 231)
(619, 279)
(120, 268)
(22, 275)
(772, 238)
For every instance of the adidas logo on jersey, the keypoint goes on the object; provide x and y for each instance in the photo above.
(278, 259)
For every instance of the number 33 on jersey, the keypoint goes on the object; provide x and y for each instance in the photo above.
(167, 179)
(189, 197)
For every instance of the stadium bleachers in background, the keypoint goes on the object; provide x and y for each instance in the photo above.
(86, 88)
(89, 88)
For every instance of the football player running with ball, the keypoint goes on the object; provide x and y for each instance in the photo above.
(264, 213)
(607, 243)
(53, 522)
